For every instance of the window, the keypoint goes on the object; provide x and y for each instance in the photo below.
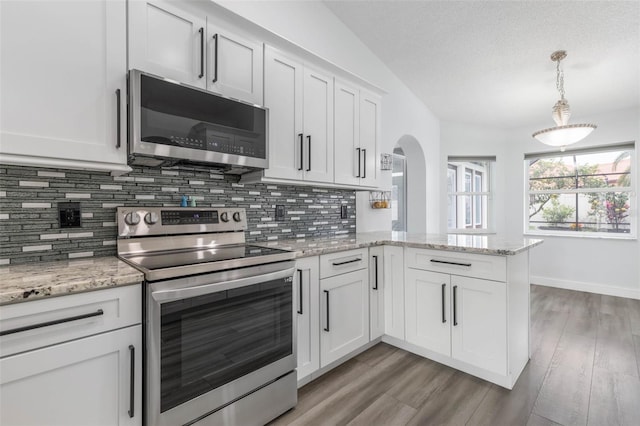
(589, 191)
(469, 194)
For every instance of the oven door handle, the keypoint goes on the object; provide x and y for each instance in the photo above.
(170, 295)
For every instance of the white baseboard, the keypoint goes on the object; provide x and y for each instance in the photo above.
(588, 287)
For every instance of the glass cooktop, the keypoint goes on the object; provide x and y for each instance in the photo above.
(181, 258)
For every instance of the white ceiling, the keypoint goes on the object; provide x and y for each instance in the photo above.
(487, 62)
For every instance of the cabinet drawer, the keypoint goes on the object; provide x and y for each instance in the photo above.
(69, 317)
(467, 264)
(342, 262)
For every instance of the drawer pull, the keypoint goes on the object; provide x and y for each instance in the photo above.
(132, 381)
(468, 265)
(346, 262)
(444, 288)
(455, 305)
(326, 293)
(49, 323)
(376, 272)
(300, 291)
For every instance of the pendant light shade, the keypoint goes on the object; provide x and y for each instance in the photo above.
(563, 134)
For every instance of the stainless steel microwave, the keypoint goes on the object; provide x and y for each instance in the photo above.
(172, 123)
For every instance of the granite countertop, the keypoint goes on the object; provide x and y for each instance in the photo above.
(479, 244)
(40, 280)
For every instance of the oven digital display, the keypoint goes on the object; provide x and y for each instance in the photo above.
(189, 217)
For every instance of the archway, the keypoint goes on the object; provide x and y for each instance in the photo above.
(416, 184)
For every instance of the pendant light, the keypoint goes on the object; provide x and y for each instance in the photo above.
(563, 134)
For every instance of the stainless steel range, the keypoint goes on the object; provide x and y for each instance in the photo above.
(219, 324)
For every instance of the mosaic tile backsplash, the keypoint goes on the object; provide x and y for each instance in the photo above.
(29, 198)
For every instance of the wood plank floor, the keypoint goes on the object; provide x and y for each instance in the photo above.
(584, 369)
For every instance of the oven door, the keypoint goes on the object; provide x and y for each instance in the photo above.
(211, 339)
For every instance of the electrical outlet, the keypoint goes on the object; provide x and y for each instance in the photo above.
(279, 212)
(343, 212)
(69, 215)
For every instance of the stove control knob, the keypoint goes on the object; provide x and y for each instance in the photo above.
(132, 218)
(151, 218)
(224, 217)
(236, 217)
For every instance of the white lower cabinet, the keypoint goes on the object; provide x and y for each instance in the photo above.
(82, 382)
(344, 301)
(469, 311)
(306, 293)
(461, 317)
(428, 319)
(479, 323)
(67, 377)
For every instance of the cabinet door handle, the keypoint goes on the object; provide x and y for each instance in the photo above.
(326, 295)
(201, 31)
(300, 291)
(118, 120)
(375, 271)
(49, 323)
(132, 380)
(455, 305)
(215, 58)
(346, 261)
(444, 288)
(468, 265)
(364, 165)
(301, 136)
(309, 153)
(359, 162)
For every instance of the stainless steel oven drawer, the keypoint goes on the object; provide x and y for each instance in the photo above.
(259, 407)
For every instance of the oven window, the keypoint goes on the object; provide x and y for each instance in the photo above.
(211, 340)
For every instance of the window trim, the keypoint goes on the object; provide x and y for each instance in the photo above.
(487, 175)
(629, 190)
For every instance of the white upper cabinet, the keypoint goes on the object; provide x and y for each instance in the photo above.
(370, 128)
(181, 42)
(167, 41)
(317, 116)
(348, 158)
(357, 133)
(235, 65)
(283, 96)
(300, 102)
(63, 84)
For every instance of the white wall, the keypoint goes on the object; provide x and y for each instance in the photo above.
(311, 25)
(598, 265)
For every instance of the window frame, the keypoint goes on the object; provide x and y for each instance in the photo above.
(464, 168)
(629, 190)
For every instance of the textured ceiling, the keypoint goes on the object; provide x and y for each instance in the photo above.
(487, 62)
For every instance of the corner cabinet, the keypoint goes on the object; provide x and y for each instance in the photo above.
(183, 42)
(306, 294)
(300, 102)
(85, 368)
(394, 309)
(376, 292)
(64, 87)
(469, 311)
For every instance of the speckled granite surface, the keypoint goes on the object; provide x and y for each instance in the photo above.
(38, 280)
(479, 244)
